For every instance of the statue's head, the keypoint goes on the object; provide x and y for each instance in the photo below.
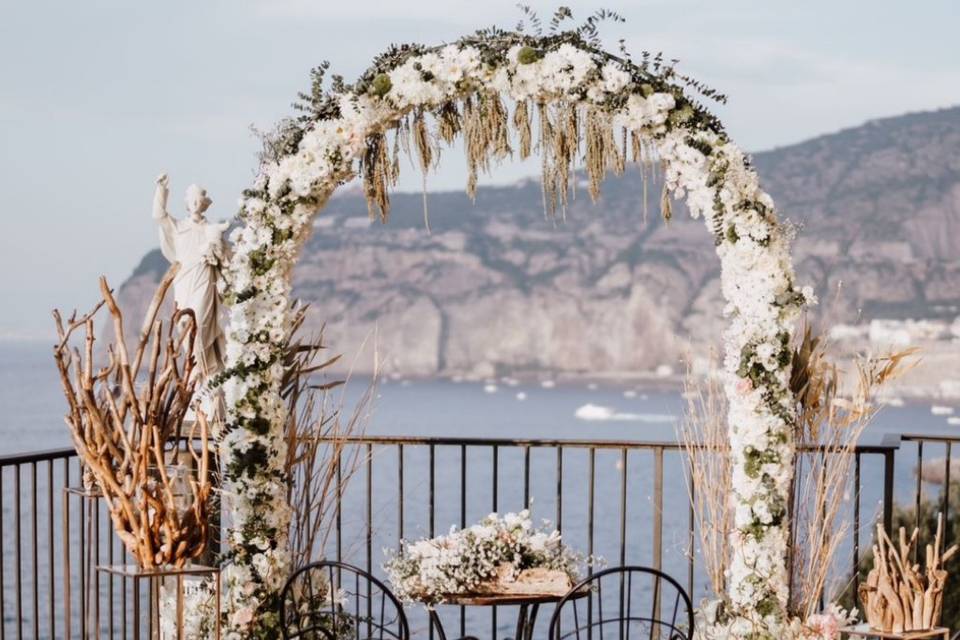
(197, 201)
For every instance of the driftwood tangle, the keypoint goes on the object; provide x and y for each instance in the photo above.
(897, 596)
(121, 418)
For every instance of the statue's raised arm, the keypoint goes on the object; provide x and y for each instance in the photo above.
(163, 218)
(160, 195)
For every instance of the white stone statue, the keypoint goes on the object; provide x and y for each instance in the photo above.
(198, 246)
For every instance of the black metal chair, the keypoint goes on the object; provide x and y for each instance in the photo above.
(330, 600)
(625, 602)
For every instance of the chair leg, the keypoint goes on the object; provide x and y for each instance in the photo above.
(436, 624)
(520, 633)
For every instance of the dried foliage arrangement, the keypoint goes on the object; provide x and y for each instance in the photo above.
(122, 416)
(320, 459)
(897, 596)
(831, 416)
(703, 434)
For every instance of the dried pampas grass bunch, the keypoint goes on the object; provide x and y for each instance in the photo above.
(321, 460)
(703, 435)
(834, 409)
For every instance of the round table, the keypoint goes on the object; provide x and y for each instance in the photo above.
(529, 607)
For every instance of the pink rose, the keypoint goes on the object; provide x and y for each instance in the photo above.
(824, 626)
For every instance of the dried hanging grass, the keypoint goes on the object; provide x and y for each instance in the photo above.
(486, 134)
(602, 150)
(475, 143)
(547, 187)
(559, 146)
(377, 172)
(422, 142)
(497, 123)
(521, 122)
(395, 155)
(666, 206)
(636, 147)
(426, 154)
(448, 119)
(484, 121)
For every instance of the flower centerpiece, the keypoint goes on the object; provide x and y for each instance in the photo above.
(500, 555)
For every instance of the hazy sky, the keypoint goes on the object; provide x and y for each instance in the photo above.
(98, 97)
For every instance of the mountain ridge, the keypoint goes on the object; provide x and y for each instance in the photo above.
(500, 289)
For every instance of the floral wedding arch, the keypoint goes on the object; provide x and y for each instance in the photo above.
(571, 100)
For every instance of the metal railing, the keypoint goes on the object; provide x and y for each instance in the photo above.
(624, 500)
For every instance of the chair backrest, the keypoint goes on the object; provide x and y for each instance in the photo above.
(335, 601)
(624, 602)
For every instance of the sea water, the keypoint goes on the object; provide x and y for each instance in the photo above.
(33, 409)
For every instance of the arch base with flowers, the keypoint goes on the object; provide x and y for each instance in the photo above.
(571, 101)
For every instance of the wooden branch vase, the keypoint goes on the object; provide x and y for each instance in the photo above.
(122, 416)
(897, 597)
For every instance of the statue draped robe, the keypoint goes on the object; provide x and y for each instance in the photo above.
(198, 247)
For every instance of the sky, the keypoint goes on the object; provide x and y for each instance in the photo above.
(99, 97)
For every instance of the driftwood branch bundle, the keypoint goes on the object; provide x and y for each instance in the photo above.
(121, 417)
(897, 596)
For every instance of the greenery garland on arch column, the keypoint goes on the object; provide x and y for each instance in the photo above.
(572, 101)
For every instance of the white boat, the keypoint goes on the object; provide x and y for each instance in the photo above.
(940, 410)
(594, 412)
(598, 413)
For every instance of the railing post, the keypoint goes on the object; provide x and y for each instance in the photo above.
(892, 442)
(888, 490)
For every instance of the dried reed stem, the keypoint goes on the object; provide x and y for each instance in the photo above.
(703, 435)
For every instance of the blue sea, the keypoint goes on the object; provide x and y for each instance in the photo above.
(621, 486)
(33, 407)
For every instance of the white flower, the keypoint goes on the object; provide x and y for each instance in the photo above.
(614, 77)
(409, 86)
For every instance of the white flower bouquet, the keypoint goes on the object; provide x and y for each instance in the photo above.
(498, 556)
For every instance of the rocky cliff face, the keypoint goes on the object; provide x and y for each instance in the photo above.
(496, 288)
